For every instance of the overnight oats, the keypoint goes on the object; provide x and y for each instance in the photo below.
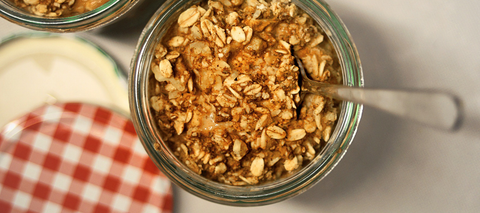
(59, 8)
(225, 95)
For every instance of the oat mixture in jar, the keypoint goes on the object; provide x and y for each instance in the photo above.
(59, 8)
(225, 95)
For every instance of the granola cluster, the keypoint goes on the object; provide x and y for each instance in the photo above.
(58, 8)
(225, 93)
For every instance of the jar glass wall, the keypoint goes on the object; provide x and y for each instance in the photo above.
(267, 193)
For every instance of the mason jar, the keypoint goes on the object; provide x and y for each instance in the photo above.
(104, 14)
(251, 195)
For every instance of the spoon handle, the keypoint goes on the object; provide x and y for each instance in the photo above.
(437, 109)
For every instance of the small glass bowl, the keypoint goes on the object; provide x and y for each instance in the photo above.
(254, 195)
(100, 16)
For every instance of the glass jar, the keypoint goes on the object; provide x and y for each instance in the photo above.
(100, 16)
(267, 193)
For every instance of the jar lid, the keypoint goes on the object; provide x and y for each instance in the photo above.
(39, 68)
(78, 157)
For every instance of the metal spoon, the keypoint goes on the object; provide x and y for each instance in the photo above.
(433, 108)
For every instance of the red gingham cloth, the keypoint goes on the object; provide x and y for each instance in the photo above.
(77, 157)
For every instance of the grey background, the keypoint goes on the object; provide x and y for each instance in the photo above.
(393, 165)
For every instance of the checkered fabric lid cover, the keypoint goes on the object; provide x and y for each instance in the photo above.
(78, 157)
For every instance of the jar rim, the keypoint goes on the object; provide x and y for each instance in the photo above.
(100, 16)
(267, 193)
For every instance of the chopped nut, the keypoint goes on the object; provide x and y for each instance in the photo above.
(235, 93)
(190, 85)
(208, 29)
(170, 88)
(286, 115)
(221, 34)
(156, 103)
(179, 126)
(248, 33)
(172, 55)
(238, 34)
(326, 133)
(166, 68)
(317, 40)
(330, 116)
(291, 164)
(206, 14)
(239, 149)
(237, 2)
(196, 32)
(189, 17)
(310, 126)
(161, 51)
(232, 19)
(273, 161)
(285, 45)
(310, 149)
(243, 79)
(216, 160)
(206, 159)
(184, 148)
(292, 10)
(276, 132)
(226, 100)
(263, 140)
(261, 122)
(296, 134)
(220, 168)
(189, 116)
(216, 5)
(176, 41)
(257, 166)
(252, 89)
(279, 94)
(294, 40)
(318, 121)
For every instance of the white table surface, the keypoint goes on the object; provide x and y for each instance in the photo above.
(393, 165)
